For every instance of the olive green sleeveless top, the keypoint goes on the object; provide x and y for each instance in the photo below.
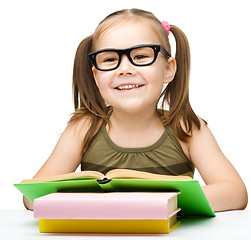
(165, 156)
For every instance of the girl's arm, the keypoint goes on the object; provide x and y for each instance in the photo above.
(224, 188)
(67, 154)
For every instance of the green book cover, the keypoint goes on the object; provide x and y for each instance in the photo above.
(191, 200)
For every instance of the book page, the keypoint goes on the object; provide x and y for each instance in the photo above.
(91, 174)
(134, 174)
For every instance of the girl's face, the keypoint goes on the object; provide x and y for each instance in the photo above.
(130, 88)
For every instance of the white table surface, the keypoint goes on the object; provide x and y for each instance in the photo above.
(20, 224)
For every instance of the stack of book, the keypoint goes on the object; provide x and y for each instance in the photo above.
(122, 201)
(113, 212)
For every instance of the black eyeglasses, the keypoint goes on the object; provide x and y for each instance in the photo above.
(140, 55)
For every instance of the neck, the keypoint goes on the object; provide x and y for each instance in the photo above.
(135, 130)
(132, 122)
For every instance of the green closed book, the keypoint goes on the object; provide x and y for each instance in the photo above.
(191, 200)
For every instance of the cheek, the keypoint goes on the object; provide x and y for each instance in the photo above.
(102, 79)
(99, 79)
(156, 79)
(103, 83)
(155, 75)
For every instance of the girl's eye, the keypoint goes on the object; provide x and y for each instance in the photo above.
(110, 60)
(140, 57)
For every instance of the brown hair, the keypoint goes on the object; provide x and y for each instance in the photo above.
(88, 101)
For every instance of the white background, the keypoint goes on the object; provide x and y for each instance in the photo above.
(37, 47)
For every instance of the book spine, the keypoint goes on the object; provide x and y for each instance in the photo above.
(104, 181)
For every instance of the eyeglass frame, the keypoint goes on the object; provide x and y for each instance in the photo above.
(156, 48)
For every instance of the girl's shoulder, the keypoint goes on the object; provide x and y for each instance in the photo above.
(194, 136)
(78, 127)
(201, 144)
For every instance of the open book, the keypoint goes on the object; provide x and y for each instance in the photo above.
(192, 199)
(113, 174)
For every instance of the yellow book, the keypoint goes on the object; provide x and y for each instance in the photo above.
(108, 226)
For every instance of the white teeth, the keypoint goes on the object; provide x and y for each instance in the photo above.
(128, 86)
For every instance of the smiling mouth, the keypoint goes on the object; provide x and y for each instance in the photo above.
(128, 87)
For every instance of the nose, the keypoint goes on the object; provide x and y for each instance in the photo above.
(125, 67)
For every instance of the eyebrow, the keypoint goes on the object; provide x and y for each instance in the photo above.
(135, 46)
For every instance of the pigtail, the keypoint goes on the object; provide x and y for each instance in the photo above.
(180, 117)
(88, 101)
(85, 91)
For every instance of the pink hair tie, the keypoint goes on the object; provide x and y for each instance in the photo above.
(166, 26)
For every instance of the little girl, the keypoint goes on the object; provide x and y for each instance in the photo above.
(118, 79)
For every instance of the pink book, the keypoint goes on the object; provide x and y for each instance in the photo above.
(114, 205)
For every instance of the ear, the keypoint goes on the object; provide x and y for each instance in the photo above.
(170, 70)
